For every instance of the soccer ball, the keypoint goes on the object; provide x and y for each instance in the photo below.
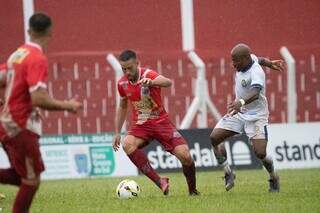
(127, 189)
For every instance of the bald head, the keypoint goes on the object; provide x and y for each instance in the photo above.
(240, 55)
(241, 50)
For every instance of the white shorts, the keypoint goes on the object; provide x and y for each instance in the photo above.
(254, 129)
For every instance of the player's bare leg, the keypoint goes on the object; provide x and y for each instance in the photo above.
(138, 157)
(182, 152)
(259, 147)
(217, 138)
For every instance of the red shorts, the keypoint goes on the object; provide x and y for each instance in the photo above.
(24, 153)
(164, 132)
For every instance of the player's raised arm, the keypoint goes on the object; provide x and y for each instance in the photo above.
(277, 65)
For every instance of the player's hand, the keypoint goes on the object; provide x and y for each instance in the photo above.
(277, 65)
(234, 107)
(145, 82)
(116, 142)
(73, 105)
(38, 114)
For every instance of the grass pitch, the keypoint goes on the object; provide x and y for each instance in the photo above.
(300, 191)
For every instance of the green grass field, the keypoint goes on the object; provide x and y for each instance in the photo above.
(300, 190)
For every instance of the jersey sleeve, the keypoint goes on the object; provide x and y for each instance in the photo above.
(151, 74)
(37, 73)
(121, 90)
(258, 77)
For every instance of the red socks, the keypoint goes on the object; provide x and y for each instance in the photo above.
(25, 194)
(9, 176)
(190, 174)
(139, 158)
(24, 198)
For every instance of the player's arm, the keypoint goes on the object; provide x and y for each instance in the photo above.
(40, 98)
(159, 81)
(3, 81)
(252, 95)
(274, 64)
(121, 114)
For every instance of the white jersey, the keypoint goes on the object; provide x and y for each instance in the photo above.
(253, 76)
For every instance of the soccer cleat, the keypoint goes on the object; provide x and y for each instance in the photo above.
(274, 184)
(194, 193)
(229, 180)
(164, 185)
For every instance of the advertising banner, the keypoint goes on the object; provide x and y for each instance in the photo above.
(238, 150)
(290, 145)
(295, 145)
(76, 156)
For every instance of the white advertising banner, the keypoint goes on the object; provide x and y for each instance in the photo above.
(77, 156)
(295, 145)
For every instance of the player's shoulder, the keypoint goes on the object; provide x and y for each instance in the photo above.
(35, 53)
(256, 65)
(147, 72)
(257, 70)
(123, 80)
(254, 58)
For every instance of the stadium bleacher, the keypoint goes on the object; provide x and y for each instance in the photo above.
(93, 80)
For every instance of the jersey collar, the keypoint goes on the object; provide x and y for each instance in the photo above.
(34, 45)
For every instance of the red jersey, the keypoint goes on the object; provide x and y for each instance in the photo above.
(145, 101)
(27, 70)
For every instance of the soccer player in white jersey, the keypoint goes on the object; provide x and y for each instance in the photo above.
(247, 113)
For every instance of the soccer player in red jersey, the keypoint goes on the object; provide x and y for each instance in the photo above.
(142, 88)
(20, 128)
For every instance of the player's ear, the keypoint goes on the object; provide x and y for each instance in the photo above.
(31, 33)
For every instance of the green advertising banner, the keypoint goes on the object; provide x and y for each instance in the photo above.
(102, 160)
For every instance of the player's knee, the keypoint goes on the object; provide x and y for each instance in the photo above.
(32, 181)
(260, 154)
(184, 156)
(215, 140)
(129, 146)
(187, 159)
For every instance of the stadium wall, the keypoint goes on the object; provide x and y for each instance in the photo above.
(292, 146)
(85, 32)
(151, 25)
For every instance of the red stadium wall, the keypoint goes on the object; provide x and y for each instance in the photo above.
(264, 25)
(84, 31)
(11, 27)
(145, 25)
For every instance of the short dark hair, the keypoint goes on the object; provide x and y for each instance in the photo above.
(127, 55)
(39, 23)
